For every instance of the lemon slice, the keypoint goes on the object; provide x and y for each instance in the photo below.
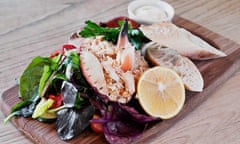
(161, 92)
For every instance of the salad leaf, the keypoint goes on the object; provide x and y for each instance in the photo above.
(71, 122)
(92, 29)
(30, 79)
(69, 93)
(120, 127)
(134, 111)
(79, 101)
(119, 132)
(20, 105)
(122, 123)
(73, 72)
(72, 64)
(23, 108)
(56, 82)
(136, 37)
(45, 75)
(31, 84)
(56, 59)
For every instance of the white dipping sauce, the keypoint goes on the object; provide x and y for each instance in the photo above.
(151, 13)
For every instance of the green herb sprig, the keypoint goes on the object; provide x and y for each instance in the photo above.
(136, 37)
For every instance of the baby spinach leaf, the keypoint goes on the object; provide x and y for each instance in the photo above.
(20, 105)
(72, 64)
(73, 72)
(23, 108)
(78, 102)
(73, 57)
(56, 82)
(45, 75)
(30, 79)
(56, 61)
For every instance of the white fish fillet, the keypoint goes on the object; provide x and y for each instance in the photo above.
(170, 58)
(181, 40)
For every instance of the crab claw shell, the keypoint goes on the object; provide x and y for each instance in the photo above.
(125, 51)
(123, 37)
(93, 71)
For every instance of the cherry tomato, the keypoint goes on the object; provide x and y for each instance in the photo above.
(96, 127)
(68, 47)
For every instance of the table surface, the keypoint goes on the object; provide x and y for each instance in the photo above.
(31, 27)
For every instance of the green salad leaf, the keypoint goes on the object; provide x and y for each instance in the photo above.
(136, 37)
(30, 79)
(20, 105)
(22, 108)
(35, 76)
(78, 101)
(45, 75)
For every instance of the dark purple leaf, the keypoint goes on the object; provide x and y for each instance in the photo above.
(119, 132)
(136, 116)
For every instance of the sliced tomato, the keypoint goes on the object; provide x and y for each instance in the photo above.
(55, 53)
(114, 22)
(96, 127)
(68, 47)
(61, 51)
(58, 100)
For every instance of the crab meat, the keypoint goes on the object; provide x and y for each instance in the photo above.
(93, 71)
(112, 69)
(116, 86)
(129, 81)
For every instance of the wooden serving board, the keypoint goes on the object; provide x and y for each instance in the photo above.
(215, 72)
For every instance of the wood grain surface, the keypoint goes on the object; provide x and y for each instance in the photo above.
(31, 27)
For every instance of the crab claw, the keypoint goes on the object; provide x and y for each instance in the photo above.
(125, 51)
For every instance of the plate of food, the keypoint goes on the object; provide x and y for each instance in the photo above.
(119, 81)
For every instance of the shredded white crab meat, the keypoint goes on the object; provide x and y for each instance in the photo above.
(120, 84)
